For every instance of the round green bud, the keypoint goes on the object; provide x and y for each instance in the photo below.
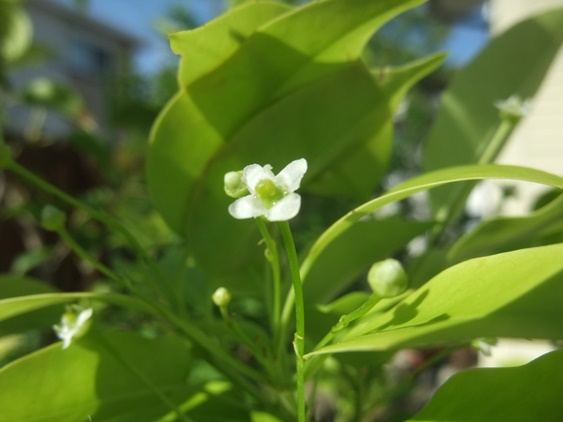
(234, 186)
(221, 297)
(5, 154)
(387, 278)
(52, 218)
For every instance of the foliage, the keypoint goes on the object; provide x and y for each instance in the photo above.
(198, 325)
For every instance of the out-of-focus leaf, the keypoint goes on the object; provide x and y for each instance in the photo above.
(505, 233)
(515, 294)
(100, 376)
(50, 94)
(14, 306)
(13, 286)
(514, 63)
(345, 304)
(15, 31)
(527, 393)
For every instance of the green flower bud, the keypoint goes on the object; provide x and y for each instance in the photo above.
(234, 186)
(221, 297)
(387, 278)
(52, 218)
(5, 154)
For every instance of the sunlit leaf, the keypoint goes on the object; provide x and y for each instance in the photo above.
(515, 294)
(527, 393)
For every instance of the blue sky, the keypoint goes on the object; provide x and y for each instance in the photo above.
(141, 18)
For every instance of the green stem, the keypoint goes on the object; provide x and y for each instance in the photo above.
(299, 339)
(110, 222)
(81, 252)
(273, 258)
(237, 330)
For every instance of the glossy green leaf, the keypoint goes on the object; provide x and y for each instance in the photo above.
(103, 377)
(513, 63)
(505, 233)
(527, 393)
(424, 182)
(515, 294)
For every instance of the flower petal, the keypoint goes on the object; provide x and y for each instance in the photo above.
(285, 209)
(246, 207)
(290, 177)
(253, 173)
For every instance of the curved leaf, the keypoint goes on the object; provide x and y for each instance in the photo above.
(515, 294)
(15, 306)
(527, 393)
(513, 63)
(421, 183)
(504, 233)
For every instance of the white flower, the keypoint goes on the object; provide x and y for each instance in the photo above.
(271, 196)
(513, 107)
(74, 323)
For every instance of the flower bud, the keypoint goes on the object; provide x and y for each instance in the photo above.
(52, 218)
(234, 185)
(387, 278)
(221, 297)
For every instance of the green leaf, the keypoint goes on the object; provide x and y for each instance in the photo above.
(90, 379)
(527, 393)
(12, 286)
(505, 233)
(15, 306)
(287, 91)
(515, 294)
(513, 63)
(344, 304)
(424, 182)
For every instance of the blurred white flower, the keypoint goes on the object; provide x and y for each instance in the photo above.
(513, 107)
(74, 322)
(271, 196)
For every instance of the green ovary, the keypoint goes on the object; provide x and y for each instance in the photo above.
(268, 192)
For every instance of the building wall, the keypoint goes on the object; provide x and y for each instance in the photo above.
(538, 140)
(87, 56)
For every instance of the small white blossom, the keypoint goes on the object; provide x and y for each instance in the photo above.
(513, 107)
(271, 196)
(74, 323)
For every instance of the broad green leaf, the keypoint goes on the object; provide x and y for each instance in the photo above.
(527, 393)
(424, 182)
(513, 63)
(15, 306)
(505, 233)
(101, 376)
(205, 48)
(15, 287)
(515, 294)
(288, 91)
